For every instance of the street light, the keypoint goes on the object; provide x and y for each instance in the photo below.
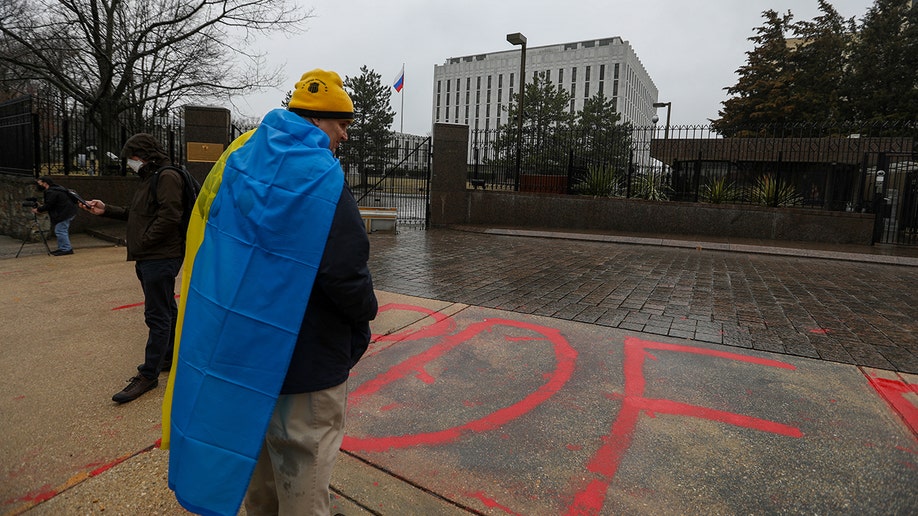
(518, 39)
(668, 105)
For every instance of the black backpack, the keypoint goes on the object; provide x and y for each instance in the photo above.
(71, 194)
(190, 190)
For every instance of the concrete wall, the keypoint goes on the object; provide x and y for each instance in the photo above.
(16, 221)
(666, 218)
(452, 203)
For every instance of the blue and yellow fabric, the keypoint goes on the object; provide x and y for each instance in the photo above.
(254, 244)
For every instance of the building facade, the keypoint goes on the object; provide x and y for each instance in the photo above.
(476, 90)
(410, 152)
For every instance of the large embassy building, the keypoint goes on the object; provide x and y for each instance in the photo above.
(476, 90)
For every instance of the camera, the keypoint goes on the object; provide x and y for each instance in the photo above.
(30, 202)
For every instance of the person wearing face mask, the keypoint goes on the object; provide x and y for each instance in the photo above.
(274, 312)
(156, 243)
(61, 210)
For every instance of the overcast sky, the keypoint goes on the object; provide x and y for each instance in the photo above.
(690, 48)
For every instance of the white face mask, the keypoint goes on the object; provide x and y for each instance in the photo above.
(134, 164)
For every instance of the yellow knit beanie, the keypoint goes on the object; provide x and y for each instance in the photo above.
(320, 94)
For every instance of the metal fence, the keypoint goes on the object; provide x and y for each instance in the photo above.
(850, 167)
(39, 137)
(402, 182)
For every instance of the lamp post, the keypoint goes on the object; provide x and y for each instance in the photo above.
(518, 39)
(668, 105)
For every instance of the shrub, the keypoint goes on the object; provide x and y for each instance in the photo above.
(769, 191)
(718, 191)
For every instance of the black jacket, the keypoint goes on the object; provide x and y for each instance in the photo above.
(154, 225)
(336, 327)
(57, 204)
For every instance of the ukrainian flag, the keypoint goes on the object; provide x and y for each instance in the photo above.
(254, 244)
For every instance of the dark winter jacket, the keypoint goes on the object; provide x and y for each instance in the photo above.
(154, 226)
(57, 204)
(336, 329)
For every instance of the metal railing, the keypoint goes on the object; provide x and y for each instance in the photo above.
(795, 165)
(401, 180)
(38, 138)
(865, 168)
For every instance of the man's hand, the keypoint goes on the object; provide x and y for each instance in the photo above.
(95, 206)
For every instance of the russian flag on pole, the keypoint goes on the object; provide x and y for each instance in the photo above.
(400, 80)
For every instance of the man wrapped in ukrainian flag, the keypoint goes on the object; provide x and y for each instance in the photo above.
(275, 307)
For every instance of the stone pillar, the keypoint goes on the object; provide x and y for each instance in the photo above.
(207, 134)
(448, 192)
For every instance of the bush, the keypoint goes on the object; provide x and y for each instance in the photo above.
(600, 181)
(769, 191)
(718, 191)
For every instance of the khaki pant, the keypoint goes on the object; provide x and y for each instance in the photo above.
(299, 452)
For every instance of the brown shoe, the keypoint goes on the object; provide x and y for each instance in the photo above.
(137, 386)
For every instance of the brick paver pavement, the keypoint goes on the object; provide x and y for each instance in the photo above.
(850, 312)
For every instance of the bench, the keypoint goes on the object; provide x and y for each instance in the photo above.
(378, 219)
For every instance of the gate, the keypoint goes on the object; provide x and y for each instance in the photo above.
(403, 184)
(895, 199)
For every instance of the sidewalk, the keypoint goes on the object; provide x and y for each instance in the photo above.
(463, 409)
(880, 253)
(883, 254)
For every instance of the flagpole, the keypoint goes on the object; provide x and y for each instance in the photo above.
(402, 93)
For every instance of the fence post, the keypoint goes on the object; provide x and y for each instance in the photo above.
(124, 138)
(778, 179)
(630, 173)
(570, 171)
(697, 175)
(172, 147)
(65, 152)
(36, 145)
(878, 200)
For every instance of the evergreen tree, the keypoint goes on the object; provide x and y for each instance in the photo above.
(820, 63)
(882, 82)
(546, 111)
(369, 135)
(763, 92)
(605, 141)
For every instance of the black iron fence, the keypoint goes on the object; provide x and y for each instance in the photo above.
(400, 177)
(855, 168)
(39, 137)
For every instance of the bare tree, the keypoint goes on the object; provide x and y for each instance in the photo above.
(133, 59)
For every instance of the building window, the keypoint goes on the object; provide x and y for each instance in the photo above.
(573, 85)
(602, 79)
(586, 83)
